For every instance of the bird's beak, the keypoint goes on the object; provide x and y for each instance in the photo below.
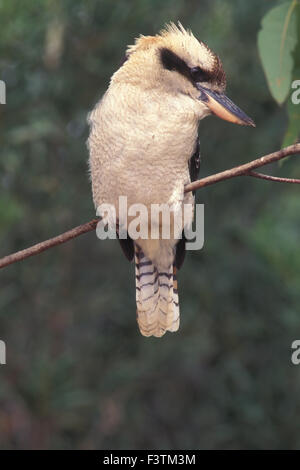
(223, 107)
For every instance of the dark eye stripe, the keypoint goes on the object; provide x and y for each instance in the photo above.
(171, 61)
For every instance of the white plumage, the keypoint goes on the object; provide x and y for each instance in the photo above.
(143, 134)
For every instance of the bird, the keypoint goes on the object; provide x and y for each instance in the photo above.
(143, 144)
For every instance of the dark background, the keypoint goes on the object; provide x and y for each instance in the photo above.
(78, 373)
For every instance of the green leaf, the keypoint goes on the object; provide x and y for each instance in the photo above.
(276, 42)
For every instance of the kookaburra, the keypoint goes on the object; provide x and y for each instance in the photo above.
(144, 145)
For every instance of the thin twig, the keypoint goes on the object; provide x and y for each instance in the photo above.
(273, 178)
(245, 169)
(39, 247)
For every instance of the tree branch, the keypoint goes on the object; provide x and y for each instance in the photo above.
(241, 170)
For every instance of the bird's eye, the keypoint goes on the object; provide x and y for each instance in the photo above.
(198, 75)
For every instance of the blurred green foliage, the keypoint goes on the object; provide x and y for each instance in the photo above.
(78, 373)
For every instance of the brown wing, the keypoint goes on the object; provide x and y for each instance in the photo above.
(127, 247)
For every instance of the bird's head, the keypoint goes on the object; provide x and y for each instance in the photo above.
(175, 62)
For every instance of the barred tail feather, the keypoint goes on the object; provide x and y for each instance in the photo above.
(156, 297)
